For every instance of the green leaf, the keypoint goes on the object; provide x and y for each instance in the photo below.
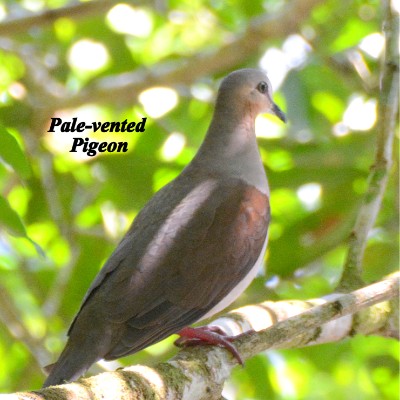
(10, 220)
(12, 154)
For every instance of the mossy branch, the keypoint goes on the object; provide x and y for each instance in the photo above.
(200, 372)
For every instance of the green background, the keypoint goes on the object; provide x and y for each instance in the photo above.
(61, 217)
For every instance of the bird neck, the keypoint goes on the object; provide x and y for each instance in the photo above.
(230, 149)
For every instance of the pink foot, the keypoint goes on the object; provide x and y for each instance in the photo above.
(208, 335)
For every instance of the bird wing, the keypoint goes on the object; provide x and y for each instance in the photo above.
(179, 260)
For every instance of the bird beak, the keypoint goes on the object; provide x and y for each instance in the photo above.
(278, 112)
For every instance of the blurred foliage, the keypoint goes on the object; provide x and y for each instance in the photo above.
(62, 215)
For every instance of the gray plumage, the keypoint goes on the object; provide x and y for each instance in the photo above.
(191, 250)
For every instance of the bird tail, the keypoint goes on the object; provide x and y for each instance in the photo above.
(73, 363)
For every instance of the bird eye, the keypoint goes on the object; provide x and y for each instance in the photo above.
(262, 87)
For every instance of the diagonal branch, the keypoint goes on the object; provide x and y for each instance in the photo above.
(200, 372)
(124, 88)
(36, 73)
(77, 10)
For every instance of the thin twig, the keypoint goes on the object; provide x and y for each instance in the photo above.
(36, 73)
(12, 320)
(378, 177)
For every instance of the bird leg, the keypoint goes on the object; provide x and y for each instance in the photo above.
(208, 335)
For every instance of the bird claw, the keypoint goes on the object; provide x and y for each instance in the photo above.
(208, 335)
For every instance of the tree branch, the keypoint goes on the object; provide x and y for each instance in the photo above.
(36, 73)
(124, 88)
(378, 177)
(200, 372)
(77, 10)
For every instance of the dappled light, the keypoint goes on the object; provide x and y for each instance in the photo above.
(310, 195)
(360, 114)
(158, 101)
(104, 103)
(173, 146)
(126, 19)
(88, 55)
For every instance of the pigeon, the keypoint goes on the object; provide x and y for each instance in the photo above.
(193, 248)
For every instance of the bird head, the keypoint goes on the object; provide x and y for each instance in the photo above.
(249, 89)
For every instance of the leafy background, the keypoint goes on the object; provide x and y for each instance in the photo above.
(62, 214)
